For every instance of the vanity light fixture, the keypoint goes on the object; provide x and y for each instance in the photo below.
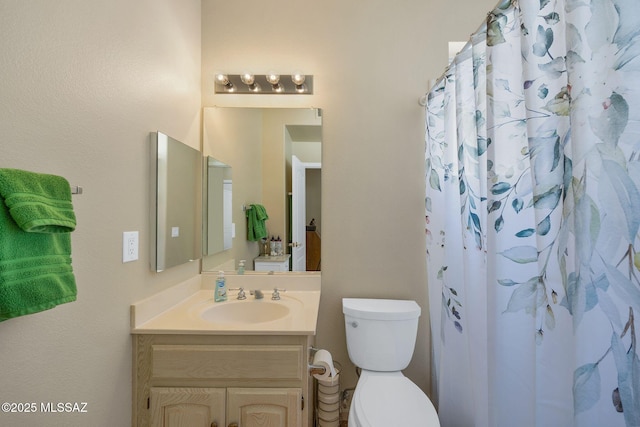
(248, 83)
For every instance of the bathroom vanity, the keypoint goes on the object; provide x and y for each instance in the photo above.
(240, 362)
(205, 380)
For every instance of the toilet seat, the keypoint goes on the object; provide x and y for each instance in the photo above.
(390, 399)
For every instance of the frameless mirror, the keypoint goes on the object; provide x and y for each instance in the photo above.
(176, 182)
(217, 203)
(263, 144)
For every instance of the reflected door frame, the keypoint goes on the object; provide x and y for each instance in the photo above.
(298, 212)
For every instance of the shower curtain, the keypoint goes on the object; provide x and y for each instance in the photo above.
(533, 217)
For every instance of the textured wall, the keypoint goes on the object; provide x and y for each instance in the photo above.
(83, 83)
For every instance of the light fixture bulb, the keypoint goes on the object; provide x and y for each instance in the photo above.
(273, 79)
(222, 79)
(278, 88)
(297, 79)
(302, 88)
(248, 79)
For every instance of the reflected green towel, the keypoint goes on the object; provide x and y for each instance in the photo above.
(256, 227)
(36, 217)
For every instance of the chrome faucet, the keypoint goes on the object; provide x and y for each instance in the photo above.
(241, 294)
(276, 293)
(257, 293)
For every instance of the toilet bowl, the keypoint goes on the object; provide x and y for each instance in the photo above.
(390, 399)
(381, 338)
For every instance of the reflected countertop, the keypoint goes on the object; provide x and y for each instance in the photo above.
(275, 258)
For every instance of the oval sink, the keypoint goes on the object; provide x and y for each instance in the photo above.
(245, 312)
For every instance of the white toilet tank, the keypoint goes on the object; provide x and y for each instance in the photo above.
(381, 333)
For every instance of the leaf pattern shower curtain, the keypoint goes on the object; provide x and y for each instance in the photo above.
(533, 219)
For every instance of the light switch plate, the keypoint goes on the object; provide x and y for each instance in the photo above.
(129, 246)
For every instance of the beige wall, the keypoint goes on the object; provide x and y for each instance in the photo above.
(371, 62)
(84, 82)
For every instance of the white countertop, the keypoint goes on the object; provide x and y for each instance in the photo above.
(159, 315)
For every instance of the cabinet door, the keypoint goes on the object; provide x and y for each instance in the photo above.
(187, 407)
(264, 407)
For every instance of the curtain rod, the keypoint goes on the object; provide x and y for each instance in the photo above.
(480, 32)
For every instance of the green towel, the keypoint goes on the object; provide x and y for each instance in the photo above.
(38, 202)
(36, 218)
(256, 228)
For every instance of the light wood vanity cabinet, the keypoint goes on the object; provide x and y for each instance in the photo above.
(217, 380)
(205, 407)
(187, 406)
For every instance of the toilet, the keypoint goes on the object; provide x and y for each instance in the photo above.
(381, 337)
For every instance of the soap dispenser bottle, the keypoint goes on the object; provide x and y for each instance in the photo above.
(241, 266)
(221, 288)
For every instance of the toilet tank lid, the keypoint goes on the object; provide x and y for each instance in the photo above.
(380, 309)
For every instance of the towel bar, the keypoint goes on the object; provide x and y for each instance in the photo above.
(76, 189)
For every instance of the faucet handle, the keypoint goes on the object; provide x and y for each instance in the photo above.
(241, 294)
(276, 293)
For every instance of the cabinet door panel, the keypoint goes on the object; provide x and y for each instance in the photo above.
(264, 407)
(187, 406)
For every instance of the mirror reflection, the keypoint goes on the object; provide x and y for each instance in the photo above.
(217, 203)
(277, 164)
